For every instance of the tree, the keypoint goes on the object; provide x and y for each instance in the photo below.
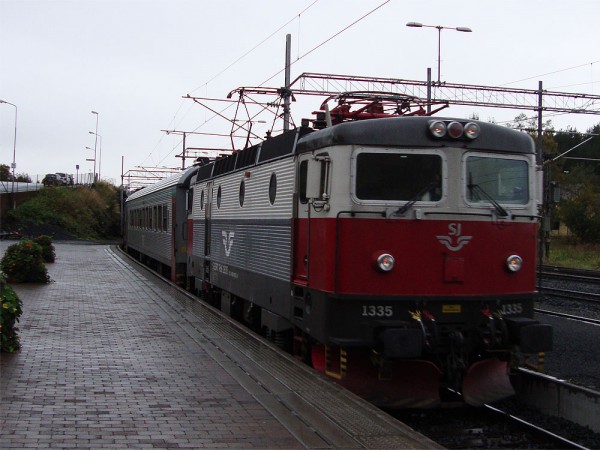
(589, 150)
(530, 126)
(581, 208)
(22, 178)
(5, 173)
(580, 180)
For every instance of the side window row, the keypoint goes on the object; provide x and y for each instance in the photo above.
(155, 218)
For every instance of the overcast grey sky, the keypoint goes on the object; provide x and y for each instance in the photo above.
(133, 60)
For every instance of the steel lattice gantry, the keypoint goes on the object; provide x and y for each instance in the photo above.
(452, 93)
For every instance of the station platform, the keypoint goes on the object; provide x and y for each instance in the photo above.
(113, 357)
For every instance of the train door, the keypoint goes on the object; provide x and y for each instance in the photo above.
(301, 226)
(313, 235)
(312, 181)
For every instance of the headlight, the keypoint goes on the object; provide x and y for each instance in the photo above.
(452, 129)
(385, 262)
(472, 130)
(514, 263)
(437, 128)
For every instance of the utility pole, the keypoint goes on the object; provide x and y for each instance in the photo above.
(544, 241)
(286, 94)
(14, 161)
(184, 134)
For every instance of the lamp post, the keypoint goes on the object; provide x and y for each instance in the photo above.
(14, 163)
(94, 160)
(439, 28)
(95, 143)
(100, 154)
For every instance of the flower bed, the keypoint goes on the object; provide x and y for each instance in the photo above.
(10, 311)
(24, 262)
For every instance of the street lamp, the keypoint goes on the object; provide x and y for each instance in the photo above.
(95, 143)
(100, 154)
(439, 28)
(14, 163)
(94, 160)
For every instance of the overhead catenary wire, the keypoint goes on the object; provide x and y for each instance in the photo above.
(327, 40)
(333, 36)
(256, 46)
(218, 74)
(552, 73)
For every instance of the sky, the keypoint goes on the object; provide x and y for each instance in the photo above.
(133, 61)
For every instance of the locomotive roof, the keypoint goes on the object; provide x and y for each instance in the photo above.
(180, 179)
(414, 132)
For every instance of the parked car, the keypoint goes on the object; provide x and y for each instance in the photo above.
(64, 178)
(51, 179)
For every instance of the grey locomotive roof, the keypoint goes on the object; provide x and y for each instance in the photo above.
(181, 179)
(413, 132)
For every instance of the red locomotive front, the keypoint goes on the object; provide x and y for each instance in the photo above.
(415, 256)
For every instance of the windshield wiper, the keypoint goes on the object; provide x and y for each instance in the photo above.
(402, 210)
(476, 188)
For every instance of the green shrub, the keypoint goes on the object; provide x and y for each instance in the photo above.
(10, 311)
(48, 252)
(23, 262)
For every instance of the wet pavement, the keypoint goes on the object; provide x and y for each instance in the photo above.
(102, 368)
(110, 360)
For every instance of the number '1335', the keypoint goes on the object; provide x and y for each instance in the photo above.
(377, 311)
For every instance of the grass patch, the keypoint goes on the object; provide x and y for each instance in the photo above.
(568, 252)
(83, 212)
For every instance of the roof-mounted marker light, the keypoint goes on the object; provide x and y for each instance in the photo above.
(455, 130)
(437, 128)
(472, 130)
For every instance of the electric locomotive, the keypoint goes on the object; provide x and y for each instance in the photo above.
(396, 255)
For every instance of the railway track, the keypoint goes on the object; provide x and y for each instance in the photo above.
(542, 434)
(559, 398)
(573, 284)
(569, 316)
(565, 273)
(485, 427)
(545, 413)
(571, 294)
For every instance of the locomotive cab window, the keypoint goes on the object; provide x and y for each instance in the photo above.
(394, 176)
(505, 180)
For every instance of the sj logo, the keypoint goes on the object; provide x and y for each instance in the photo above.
(227, 241)
(454, 241)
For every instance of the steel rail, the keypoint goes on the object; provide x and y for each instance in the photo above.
(568, 316)
(535, 428)
(570, 294)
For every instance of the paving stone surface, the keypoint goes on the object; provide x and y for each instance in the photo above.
(103, 366)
